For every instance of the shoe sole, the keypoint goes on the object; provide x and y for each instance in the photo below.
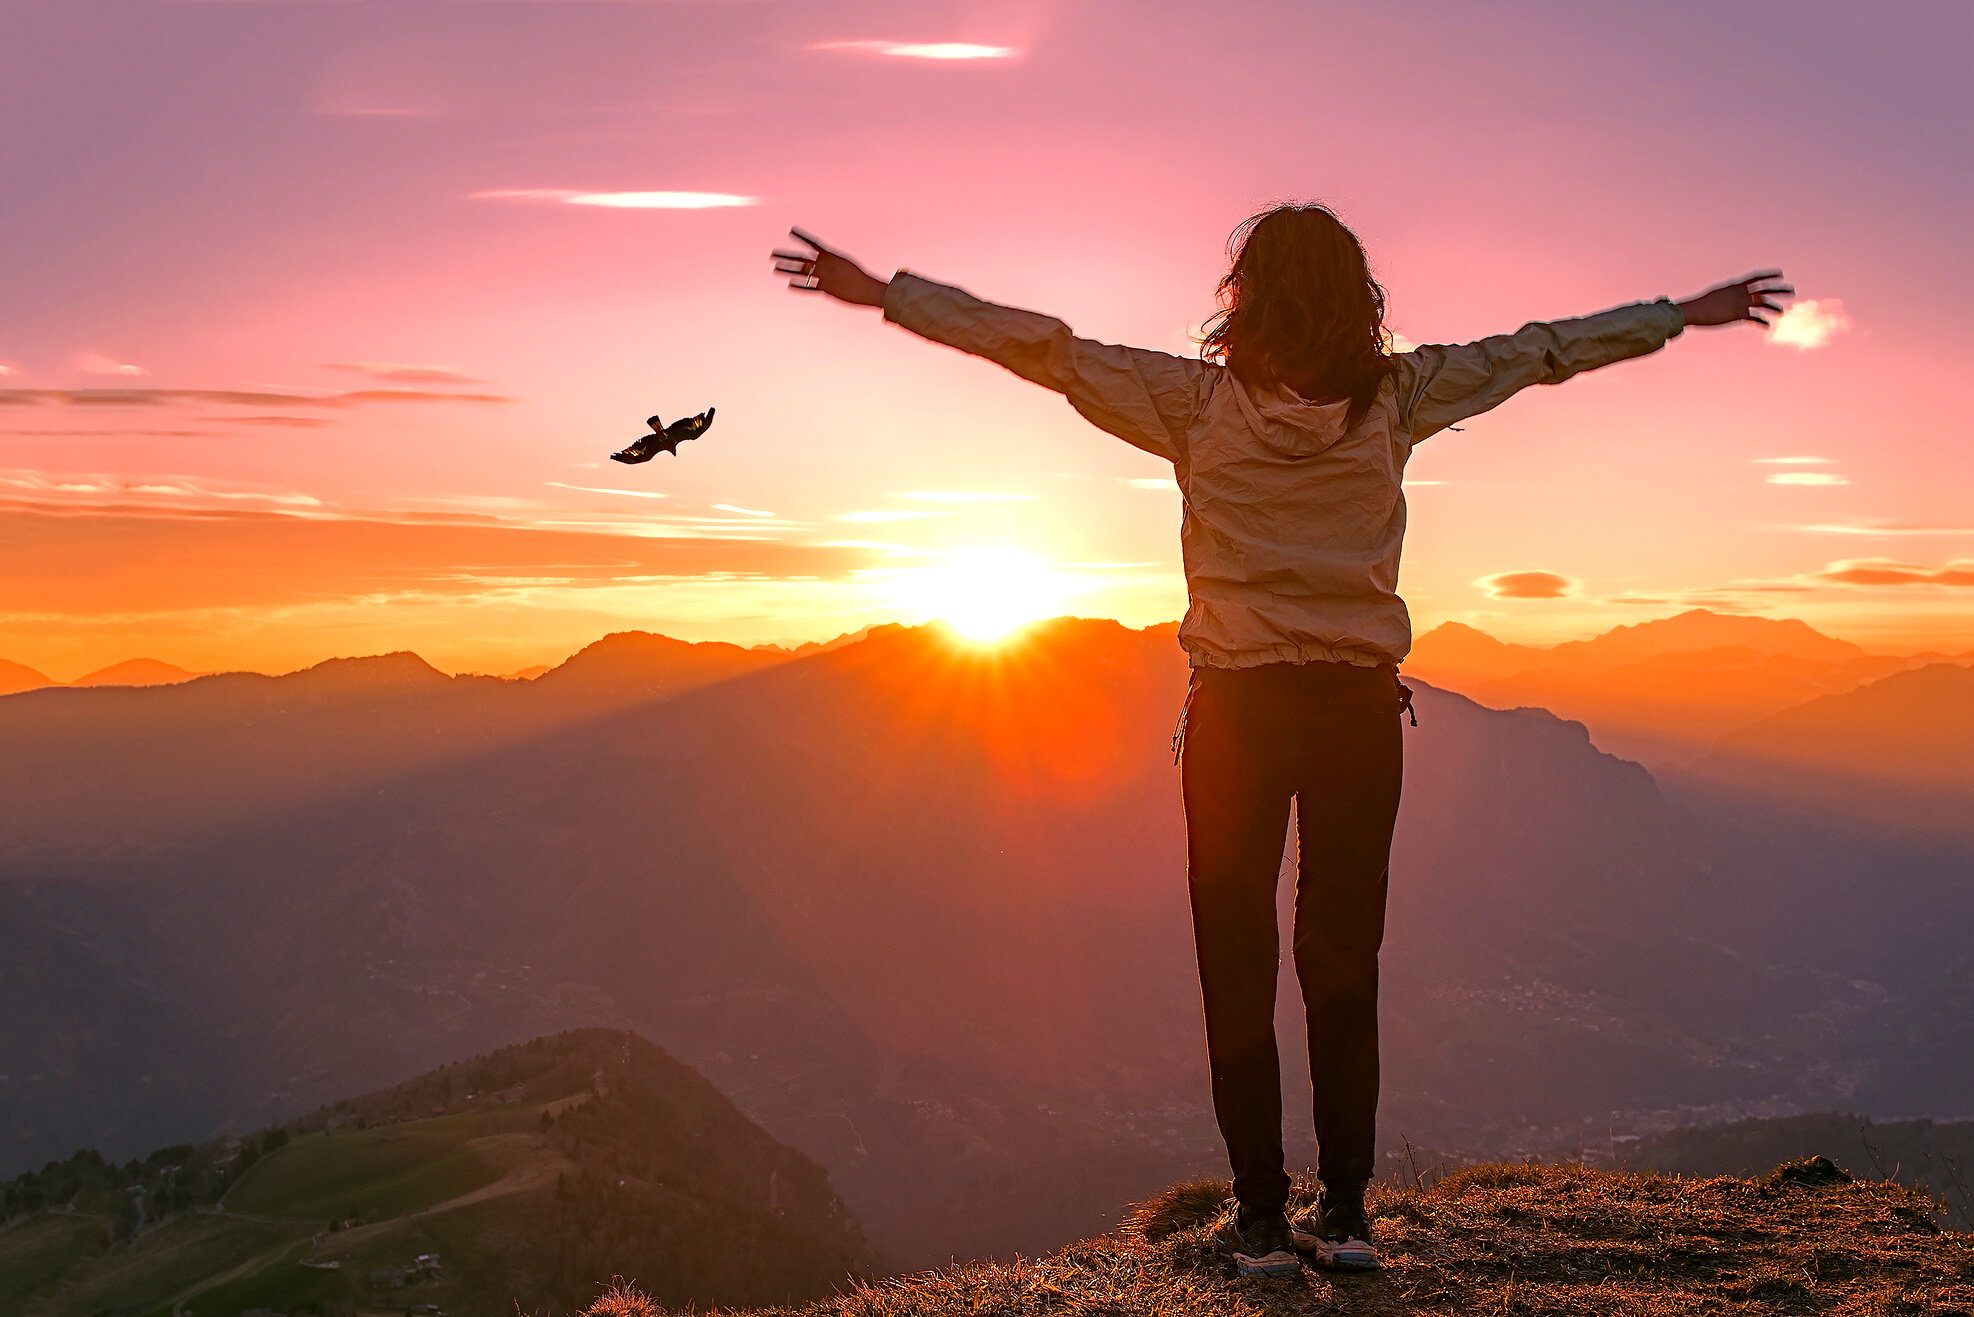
(1351, 1255)
(1345, 1256)
(1270, 1264)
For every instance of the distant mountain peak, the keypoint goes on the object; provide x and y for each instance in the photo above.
(658, 662)
(20, 677)
(136, 672)
(1700, 628)
(402, 667)
(1455, 647)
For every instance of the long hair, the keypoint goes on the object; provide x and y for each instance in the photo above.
(1299, 308)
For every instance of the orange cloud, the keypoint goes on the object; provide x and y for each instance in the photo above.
(1529, 585)
(1884, 571)
(115, 559)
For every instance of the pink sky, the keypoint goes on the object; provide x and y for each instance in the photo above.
(243, 202)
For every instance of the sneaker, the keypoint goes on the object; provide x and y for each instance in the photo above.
(1259, 1246)
(1337, 1232)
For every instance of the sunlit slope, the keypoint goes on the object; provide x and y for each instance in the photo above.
(1898, 753)
(581, 1153)
(349, 1172)
(1659, 692)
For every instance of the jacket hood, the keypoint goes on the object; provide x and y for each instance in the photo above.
(1288, 425)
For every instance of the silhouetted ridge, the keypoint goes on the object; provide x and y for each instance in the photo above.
(397, 671)
(655, 664)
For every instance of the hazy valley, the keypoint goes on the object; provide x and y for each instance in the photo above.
(918, 909)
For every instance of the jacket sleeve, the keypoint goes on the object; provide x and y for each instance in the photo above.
(1144, 398)
(1439, 385)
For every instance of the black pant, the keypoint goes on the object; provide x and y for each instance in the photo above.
(1327, 736)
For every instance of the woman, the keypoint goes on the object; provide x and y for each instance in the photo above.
(1289, 441)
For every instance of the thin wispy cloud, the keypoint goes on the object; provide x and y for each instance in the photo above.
(622, 200)
(881, 546)
(1807, 478)
(5, 369)
(118, 433)
(289, 422)
(1530, 585)
(95, 363)
(1811, 323)
(958, 496)
(1162, 485)
(228, 397)
(1790, 461)
(378, 112)
(886, 516)
(591, 489)
(1889, 528)
(401, 373)
(1885, 571)
(752, 512)
(935, 50)
(171, 487)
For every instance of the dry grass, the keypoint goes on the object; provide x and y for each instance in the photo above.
(1494, 1240)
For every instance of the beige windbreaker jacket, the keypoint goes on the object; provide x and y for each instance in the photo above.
(1293, 518)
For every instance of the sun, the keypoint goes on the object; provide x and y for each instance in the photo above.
(985, 593)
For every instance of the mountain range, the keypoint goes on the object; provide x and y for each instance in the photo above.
(916, 906)
(1660, 692)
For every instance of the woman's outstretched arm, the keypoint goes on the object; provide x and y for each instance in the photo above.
(1144, 398)
(1439, 386)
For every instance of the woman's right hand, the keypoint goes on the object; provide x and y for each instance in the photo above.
(826, 271)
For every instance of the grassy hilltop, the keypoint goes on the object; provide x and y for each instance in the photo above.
(535, 1170)
(1493, 1239)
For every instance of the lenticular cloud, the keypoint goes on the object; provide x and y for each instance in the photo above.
(1885, 571)
(1529, 585)
(621, 200)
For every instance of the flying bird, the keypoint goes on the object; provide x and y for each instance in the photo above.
(665, 438)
